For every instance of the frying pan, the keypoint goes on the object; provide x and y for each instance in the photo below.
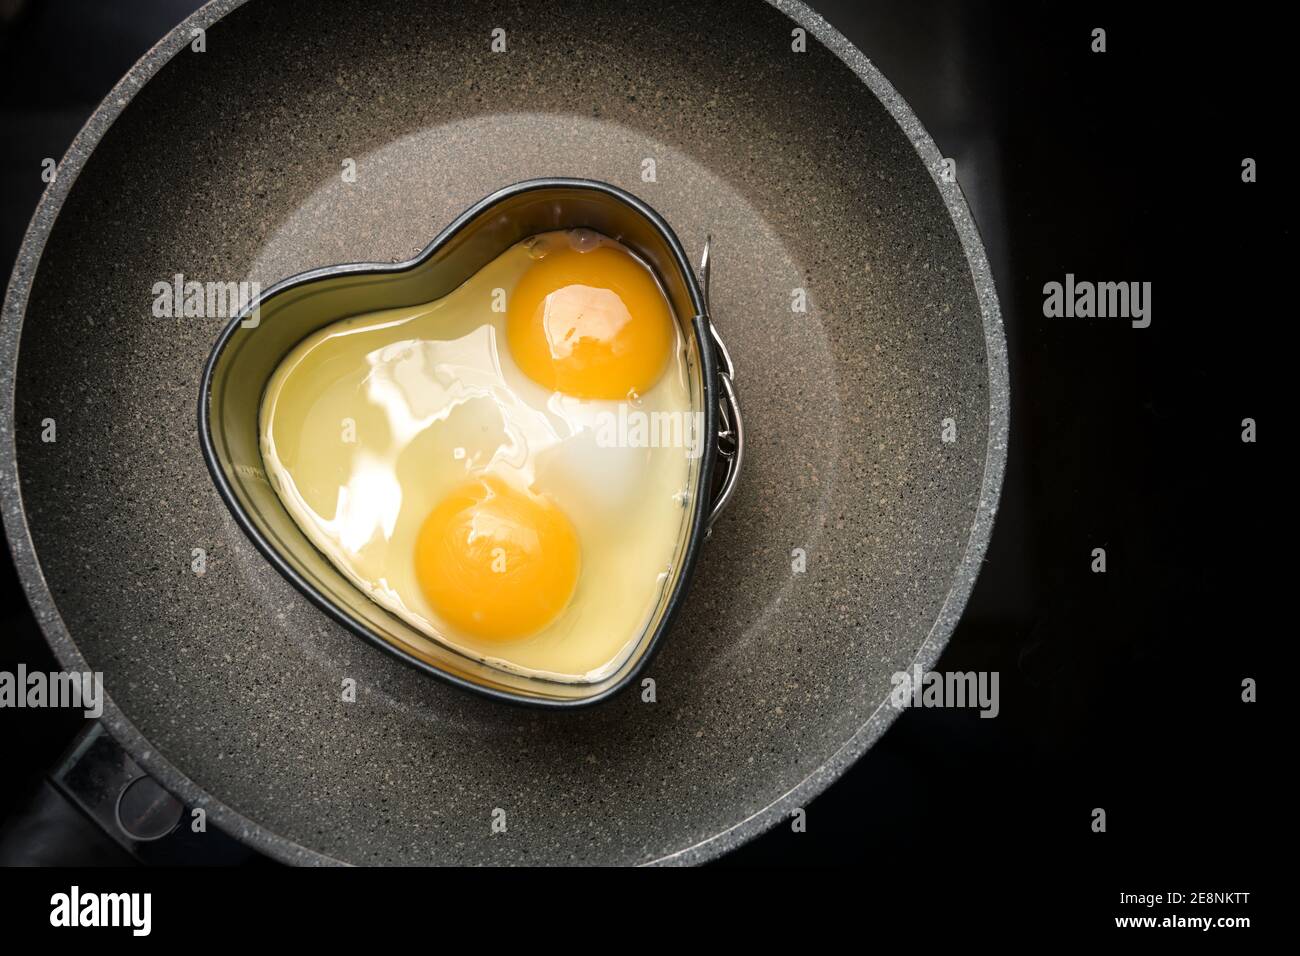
(848, 281)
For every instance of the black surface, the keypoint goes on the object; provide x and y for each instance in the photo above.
(1119, 690)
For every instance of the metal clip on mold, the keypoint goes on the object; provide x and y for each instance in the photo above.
(731, 429)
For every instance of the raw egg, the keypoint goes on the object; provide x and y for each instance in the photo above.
(497, 563)
(593, 323)
(496, 467)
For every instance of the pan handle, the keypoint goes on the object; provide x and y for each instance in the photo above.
(98, 807)
(731, 428)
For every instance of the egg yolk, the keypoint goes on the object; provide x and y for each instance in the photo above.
(591, 324)
(496, 563)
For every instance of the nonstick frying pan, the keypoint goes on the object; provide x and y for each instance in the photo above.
(849, 283)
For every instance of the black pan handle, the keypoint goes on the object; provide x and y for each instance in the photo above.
(97, 807)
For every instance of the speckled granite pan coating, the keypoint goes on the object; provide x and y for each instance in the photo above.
(810, 173)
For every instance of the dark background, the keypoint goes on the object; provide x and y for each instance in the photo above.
(1119, 690)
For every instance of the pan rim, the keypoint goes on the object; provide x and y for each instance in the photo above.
(284, 850)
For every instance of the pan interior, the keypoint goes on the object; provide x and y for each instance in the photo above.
(839, 283)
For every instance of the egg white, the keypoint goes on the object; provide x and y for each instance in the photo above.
(367, 424)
